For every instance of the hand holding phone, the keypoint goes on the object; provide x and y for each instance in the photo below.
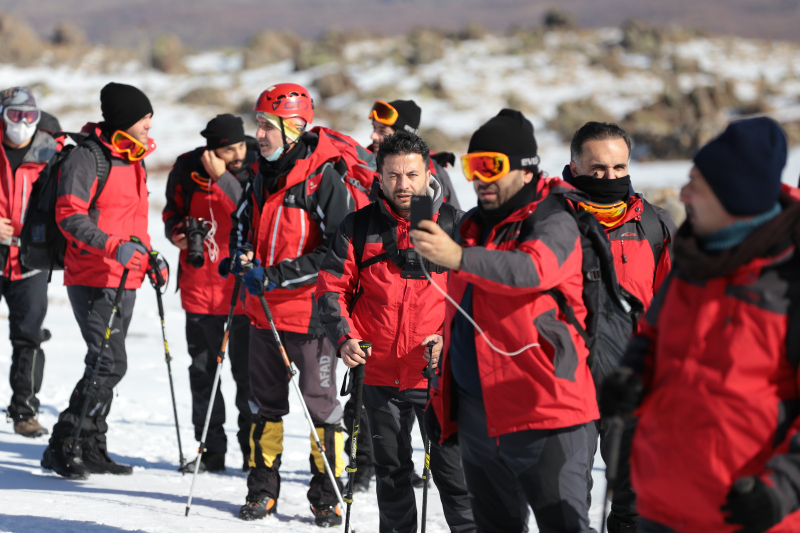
(421, 209)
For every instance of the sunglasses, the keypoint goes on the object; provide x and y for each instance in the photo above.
(491, 166)
(292, 126)
(383, 113)
(125, 143)
(16, 115)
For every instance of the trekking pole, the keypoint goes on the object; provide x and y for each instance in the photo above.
(292, 371)
(220, 357)
(426, 467)
(160, 282)
(617, 426)
(357, 381)
(105, 343)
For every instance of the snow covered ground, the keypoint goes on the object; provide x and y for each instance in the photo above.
(142, 434)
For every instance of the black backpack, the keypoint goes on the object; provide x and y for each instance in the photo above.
(42, 245)
(612, 312)
(406, 260)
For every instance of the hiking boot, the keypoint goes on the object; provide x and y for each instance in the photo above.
(209, 462)
(30, 427)
(258, 509)
(416, 481)
(96, 459)
(64, 461)
(327, 515)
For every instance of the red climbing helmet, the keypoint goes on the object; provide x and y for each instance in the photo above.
(286, 100)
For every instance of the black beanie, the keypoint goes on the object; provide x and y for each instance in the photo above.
(743, 166)
(409, 115)
(123, 106)
(508, 133)
(223, 130)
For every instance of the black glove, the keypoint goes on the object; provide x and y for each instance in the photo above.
(224, 267)
(621, 393)
(754, 505)
(444, 158)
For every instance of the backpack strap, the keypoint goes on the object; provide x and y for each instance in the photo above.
(361, 227)
(653, 230)
(569, 314)
(103, 169)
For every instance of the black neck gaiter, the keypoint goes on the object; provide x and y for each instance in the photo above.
(525, 196)
(604, 192)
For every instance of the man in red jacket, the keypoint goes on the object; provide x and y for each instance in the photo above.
(405, 115)
(513, 378)
(203, 189)
(379, 294)
(640, 234)
(99, 250)
(715, 364)
(284, 223)
(24, 152)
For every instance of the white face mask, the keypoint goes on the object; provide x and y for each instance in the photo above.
(275, 155)
(20, 132)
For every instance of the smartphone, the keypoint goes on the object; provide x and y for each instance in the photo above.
(421, 209)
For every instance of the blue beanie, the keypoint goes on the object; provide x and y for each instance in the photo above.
(743, 166)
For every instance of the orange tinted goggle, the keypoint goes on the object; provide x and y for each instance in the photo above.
(491, 166)
(383, 113)
(125, 143)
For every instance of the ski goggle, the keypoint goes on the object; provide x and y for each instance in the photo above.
(607, 215)
(30, 115)
(491, 166)
(383, 113)
(293, 127)
(125, 143)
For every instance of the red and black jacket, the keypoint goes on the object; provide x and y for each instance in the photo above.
(721, 377)
(376, 303)
(121, 212)
(15, 191)
(547, 386)
(291, 230)
(202, 289)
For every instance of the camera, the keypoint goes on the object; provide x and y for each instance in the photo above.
(196, 230)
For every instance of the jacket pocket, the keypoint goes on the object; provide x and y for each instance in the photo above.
(557, 344)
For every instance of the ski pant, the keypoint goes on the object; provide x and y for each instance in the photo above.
(623, 517)
(27, 305)
(92, 308)
(646, 526)
(364, 459)
(204, 335)
(315, 358)
(388, 410)
(545, 469)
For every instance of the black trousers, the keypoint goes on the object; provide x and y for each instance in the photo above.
(92, 308)
(545, 469)
(623, 517)
(315, 358)
(27, 306)
(388, 410)
(204, 335)
(646, 526)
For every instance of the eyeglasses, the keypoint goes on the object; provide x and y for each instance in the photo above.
(125, 143)
(383, 113)
(16, 115)
(491, 166)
